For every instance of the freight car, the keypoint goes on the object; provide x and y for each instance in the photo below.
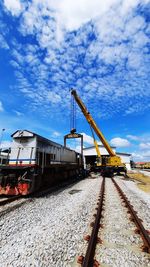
(34, 162)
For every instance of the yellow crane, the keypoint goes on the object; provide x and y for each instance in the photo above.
(113, 162)
(98, 158)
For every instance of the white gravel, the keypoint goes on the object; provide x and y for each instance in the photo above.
(12, 205)
(141, 171)
(145, 172)
(49, 231)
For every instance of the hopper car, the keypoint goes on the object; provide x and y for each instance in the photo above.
(35, 162)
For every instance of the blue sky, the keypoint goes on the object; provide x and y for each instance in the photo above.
(100, 48)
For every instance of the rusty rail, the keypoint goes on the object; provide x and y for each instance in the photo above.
(9, 200)
(136, 219)
(88, 260)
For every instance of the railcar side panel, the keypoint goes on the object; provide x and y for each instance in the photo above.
(36, 161)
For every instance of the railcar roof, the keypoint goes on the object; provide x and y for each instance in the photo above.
(39, 138)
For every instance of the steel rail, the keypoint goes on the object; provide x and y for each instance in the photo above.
(9, 200)
(136, 219)
(88, 260)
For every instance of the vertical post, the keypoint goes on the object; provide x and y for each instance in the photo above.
(82, 149)
(7, 160)
(43, 160)
(1, 136)
(73, 135)
(65, 137)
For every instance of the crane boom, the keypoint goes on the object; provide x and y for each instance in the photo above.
(111, 164)
(92, 123)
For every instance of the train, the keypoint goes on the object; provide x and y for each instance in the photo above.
(34, 162)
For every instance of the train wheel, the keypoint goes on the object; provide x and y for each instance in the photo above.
(23, 188)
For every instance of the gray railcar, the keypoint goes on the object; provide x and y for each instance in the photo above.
(35, 161)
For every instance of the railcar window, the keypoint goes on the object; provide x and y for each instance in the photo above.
(24, 140)
(44, 158)
(52, 156)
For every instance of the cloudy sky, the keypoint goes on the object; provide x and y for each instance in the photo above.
(100, 48)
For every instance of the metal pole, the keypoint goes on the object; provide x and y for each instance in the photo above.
(2, 131)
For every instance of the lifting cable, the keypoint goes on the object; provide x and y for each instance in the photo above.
(72, 113)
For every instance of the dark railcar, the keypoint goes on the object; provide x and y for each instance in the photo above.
(35, 161)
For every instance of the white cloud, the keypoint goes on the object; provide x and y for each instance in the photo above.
(1, 107)
(141, 147)
(134, 60)
(105, 56)
(77, 149)
(134, 25)
(18, 113)
(136, 107)
(119, 142)
(53, 97)
(69, 15)
(3, 43)
(133, 137)
(144, 146)
(72, 14)
(56, 134)
(87, 139)
(145, 138)
(141, 156)
(14, 6)
(5, 144)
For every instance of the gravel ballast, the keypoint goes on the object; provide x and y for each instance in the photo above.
(139, 199)
(50, 230)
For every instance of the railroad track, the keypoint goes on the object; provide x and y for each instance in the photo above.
(111, 208)
(8, 200)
